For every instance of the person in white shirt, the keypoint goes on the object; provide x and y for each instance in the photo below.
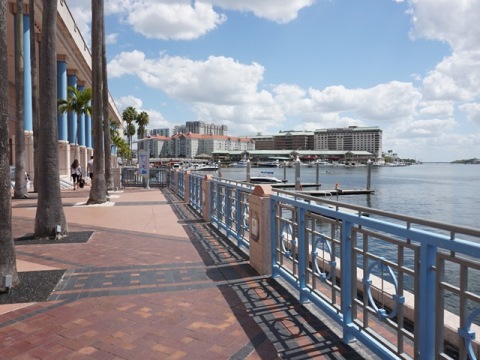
(90, 167)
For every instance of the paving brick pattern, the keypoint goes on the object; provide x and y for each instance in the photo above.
(155, 282)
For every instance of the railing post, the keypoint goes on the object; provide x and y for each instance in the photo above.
(238, 216)
(259, 227)
(302, 256)
(426, 312)
(175, 181)
(347, 280)
(206, 203)
(186, 187)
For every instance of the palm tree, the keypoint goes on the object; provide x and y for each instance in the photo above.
(98, 190)
(129, 115)
(120, 143)
(142, 122)
(78, 101)
(7, 249)
(50, 217)
(20, 191)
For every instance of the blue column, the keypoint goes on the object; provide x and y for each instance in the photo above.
(81, 123)
(27, 77)
(62, 94)
(72, 116)
(88, 131)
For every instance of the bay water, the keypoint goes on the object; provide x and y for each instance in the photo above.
(443, 192)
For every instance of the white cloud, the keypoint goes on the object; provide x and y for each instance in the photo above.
(457, 76)
(436, 108)
(453, 22)
(83, 16)
(473, 112)
(223, 90)
(111, 38)
(185, 19)
(126, 101)
(173, 20)
(218, 80)
(281, 11)
(156, 119)
(424, 128)
(384, 102)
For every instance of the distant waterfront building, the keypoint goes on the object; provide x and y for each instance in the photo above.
(200, 127)
(158, 146)
(191, 145)
(263, 142)
(293, 140)
(353, 138)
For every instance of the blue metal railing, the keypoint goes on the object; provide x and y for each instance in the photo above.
(172, 180)
(229, 209)
(181, 184)
(157, 177)
(384, 281)
(195, 183)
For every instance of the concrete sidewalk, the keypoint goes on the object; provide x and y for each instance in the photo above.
(155, 282)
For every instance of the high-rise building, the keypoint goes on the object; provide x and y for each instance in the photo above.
(161, 132)
(353, 138)
(200, 127)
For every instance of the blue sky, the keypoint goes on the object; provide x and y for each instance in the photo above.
(410, 67)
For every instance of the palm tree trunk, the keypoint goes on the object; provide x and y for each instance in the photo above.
(7, 249)
(98, 190)
(20, 181)
(50, 212)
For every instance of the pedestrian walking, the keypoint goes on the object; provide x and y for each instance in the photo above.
(76, 173)
(90, 167)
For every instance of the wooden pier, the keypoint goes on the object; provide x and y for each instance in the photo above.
(336, 192)
(306, 189)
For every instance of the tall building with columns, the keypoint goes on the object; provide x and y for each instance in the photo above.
(73, 69)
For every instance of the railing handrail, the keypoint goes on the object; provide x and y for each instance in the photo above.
(372, 211)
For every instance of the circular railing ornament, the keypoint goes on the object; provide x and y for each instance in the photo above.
(246, 214)
(320, 240)
(382, 313)
(233, 211)
(286, 239)
(468, 335)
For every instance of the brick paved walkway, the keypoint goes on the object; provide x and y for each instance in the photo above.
(155, 282)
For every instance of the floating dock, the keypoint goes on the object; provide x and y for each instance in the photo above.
(333, 192)
(336, 192)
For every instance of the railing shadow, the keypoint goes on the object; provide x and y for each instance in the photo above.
(278, 325)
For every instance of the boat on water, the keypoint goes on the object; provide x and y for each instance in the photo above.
(265, 180)
(239, 164)
(269, 164)
(320, 163)
(203, 167)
